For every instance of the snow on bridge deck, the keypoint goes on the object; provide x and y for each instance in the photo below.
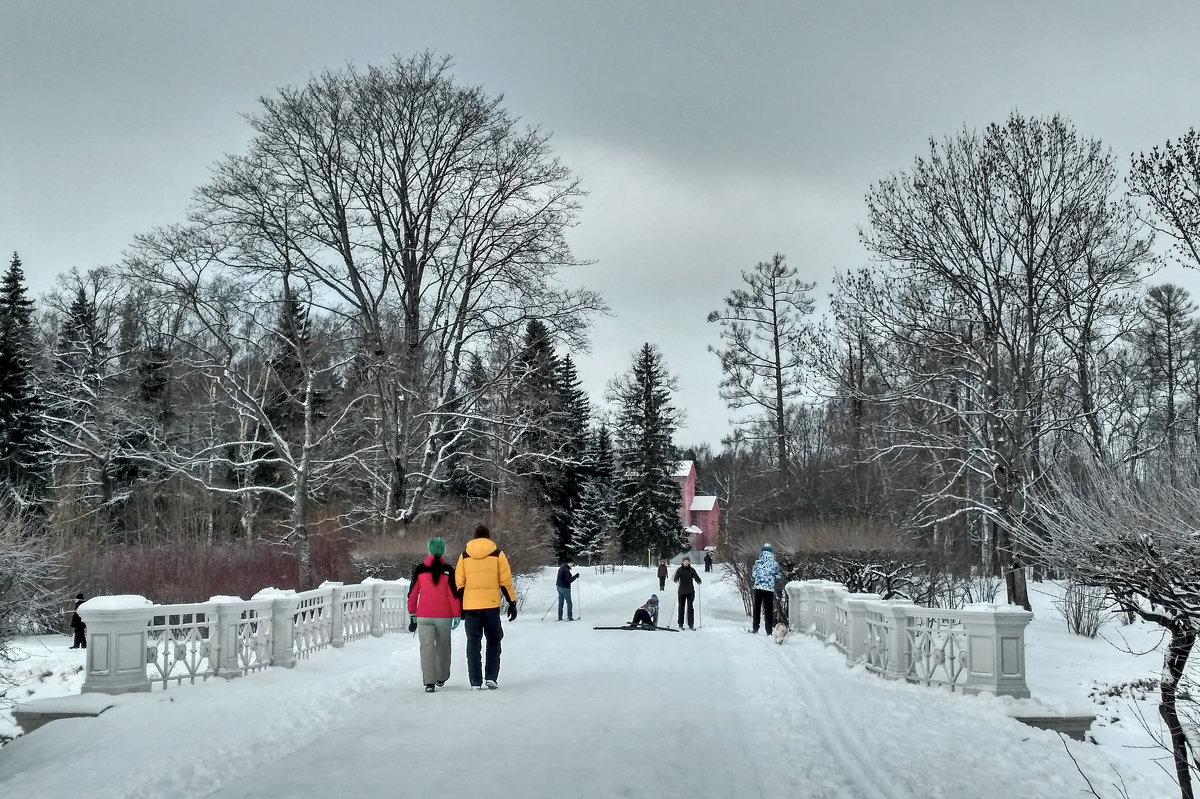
(579, 713)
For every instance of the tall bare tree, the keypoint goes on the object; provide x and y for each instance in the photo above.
(975, 242)
(764, 333)
(420, 211)
(1168, 178)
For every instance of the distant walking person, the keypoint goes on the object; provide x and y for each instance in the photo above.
(78, 627)
(565, 578)
(647, 613)
(662, 575)
(482, 575)
(688, 579)
(708, 561)
(765, 573)
(433, 611)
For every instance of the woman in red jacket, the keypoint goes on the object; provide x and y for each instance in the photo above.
(434, 609)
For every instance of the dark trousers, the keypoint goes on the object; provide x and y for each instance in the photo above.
(641, 616)
(764, 601)
(685, 601)
(481, 624)
(707, 566)
(564, 595)
(80, 641)
(662, 583)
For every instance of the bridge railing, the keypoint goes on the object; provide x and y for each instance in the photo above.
(978, 649)
(134, 644)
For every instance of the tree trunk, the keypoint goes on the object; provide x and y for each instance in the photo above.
(1174, 661)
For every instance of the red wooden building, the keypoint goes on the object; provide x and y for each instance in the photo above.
(699, 515)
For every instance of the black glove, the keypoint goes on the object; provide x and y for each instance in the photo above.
(412, 623)
(512, 611)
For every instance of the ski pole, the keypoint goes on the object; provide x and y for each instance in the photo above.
(672, 616)
(699, 609)
(579, 603)
(547, 613)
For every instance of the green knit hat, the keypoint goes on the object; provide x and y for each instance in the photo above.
(437, 546)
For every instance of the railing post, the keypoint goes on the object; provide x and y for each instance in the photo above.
(798, 594)
(996, 650)
(829, 624)
(898, 654)
(856, 624)
(376, 608)
(116, 640)
(283, 631)
(229, 616)
(337, 631)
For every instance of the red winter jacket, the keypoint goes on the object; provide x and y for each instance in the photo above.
(430, 599)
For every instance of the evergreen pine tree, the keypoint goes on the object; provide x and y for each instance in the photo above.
(646, 494)
(290, 367)
(77, 420)
(468, 468)
(538, 412)
(592, 522)
(22, 425)
(566, 476)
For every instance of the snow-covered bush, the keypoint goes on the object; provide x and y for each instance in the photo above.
(1134, 537)
(30, 575)
(1084, 607)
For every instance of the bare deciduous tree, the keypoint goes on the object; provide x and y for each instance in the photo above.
(420, 211)
(976, 243)
(1135, 537)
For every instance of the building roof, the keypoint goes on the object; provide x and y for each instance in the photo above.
(682, 470)
(703, 503)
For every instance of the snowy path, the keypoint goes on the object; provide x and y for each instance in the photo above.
(580, 713)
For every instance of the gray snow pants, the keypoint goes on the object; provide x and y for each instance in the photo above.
(434, 635)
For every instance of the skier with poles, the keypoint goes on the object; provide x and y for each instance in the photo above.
(688, 578)
(565, 578)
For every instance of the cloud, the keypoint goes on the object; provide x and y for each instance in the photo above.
(669, 243)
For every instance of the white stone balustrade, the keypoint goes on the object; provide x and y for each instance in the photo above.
(978, 649)
(133, 643)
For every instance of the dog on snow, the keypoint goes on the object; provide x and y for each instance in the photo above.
(781, 632)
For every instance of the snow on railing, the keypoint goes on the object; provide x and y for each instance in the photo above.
(133, 643)
(978, 649)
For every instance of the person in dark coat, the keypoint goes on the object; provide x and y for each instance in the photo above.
(565, 578)
(78, 627)
(688, 579)
(662, 575)
(647, 613)
(708, 561)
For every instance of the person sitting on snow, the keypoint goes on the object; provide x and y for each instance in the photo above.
(647, 613)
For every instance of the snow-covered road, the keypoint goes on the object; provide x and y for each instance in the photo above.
(579, 713)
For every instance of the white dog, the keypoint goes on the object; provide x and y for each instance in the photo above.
(781, 632)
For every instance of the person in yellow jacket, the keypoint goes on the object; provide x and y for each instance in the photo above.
(483, 574)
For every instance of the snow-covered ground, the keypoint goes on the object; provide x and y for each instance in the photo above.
(590, 714)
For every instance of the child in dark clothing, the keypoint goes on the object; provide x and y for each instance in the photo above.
(78, 627)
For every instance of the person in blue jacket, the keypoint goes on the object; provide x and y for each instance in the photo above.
(766, 573)
(565, 578)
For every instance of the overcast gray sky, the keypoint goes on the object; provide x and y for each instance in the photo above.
(708, 135)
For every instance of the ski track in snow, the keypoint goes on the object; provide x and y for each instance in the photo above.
(580, 713)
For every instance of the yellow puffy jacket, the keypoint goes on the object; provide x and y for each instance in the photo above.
(482, 573)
